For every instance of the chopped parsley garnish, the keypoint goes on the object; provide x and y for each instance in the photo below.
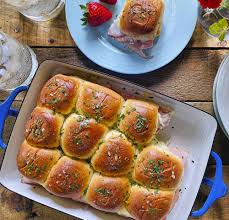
(54, 101)
(75, 175)
(120, 118)
(152, 211)
(80, 118)
(73, 187)
(77, 141)
(155, 170)
(87, 115)
(141, 123)
(104, 192)
(131, 110)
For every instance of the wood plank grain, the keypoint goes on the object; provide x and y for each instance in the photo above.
(188, 78)
(55, 32)
(14, 206)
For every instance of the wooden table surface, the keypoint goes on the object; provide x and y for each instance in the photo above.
(188, 78)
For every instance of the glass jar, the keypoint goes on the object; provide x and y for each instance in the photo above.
(207, 17)
(38, 10)
(18, 63)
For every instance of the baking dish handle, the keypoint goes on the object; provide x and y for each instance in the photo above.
(6, 111)
(218, 188)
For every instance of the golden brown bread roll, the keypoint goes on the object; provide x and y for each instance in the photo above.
(35, 163)
(115, 156)
(107, 193)
(60, 93)
(144, 204)
(43, 128)
(139, 120)
(99, 102)
(157, 167)
(69, 178)
(80, 136)
(141, 19)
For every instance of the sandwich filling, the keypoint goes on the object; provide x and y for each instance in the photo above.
(136, 45)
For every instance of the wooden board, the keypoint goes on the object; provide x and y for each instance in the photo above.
(189, 77)
(55, 32)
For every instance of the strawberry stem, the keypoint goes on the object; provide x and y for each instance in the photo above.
(84, 19)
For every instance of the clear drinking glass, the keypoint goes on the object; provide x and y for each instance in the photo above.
(18, 63)
(38, 10)
(207, 17)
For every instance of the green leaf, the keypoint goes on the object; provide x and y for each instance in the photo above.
(225, 4)
(223, 23)
(85, 14)
(84, 23)
(83, 7)
(222, 36)
(215, 29)
(83, 19)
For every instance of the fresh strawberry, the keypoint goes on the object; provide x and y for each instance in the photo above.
(95, 14)
(111, 2)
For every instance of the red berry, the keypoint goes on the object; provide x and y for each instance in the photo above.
(112, 2)
(210, 3)
(95, 14)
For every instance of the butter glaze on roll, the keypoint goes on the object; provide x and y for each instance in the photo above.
(158, 167)
(146, 204)
(99, 102)
(35, 163)
(141, 19)
(115, 156)
(139, 120)
(69, 178)
(43, 128)
(108, 193)
(60, 93)
(80, 136)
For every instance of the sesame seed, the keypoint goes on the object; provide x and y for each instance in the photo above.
(116, 157)
(173, 175)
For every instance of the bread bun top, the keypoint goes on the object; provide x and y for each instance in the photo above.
(115, 155)
(107, 193)
(80, 136)
(141, 19)
(69, 178)
(146, 204)
(59, 93)
(99, 102)
(35, 163)
(139, 120)
(157, 167)
(43, 128)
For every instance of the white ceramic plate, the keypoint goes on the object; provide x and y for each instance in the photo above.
(178, 25)
(220, 96)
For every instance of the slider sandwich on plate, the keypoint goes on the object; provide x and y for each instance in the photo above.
(138, 24)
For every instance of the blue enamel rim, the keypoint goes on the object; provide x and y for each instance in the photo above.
(218, 188)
